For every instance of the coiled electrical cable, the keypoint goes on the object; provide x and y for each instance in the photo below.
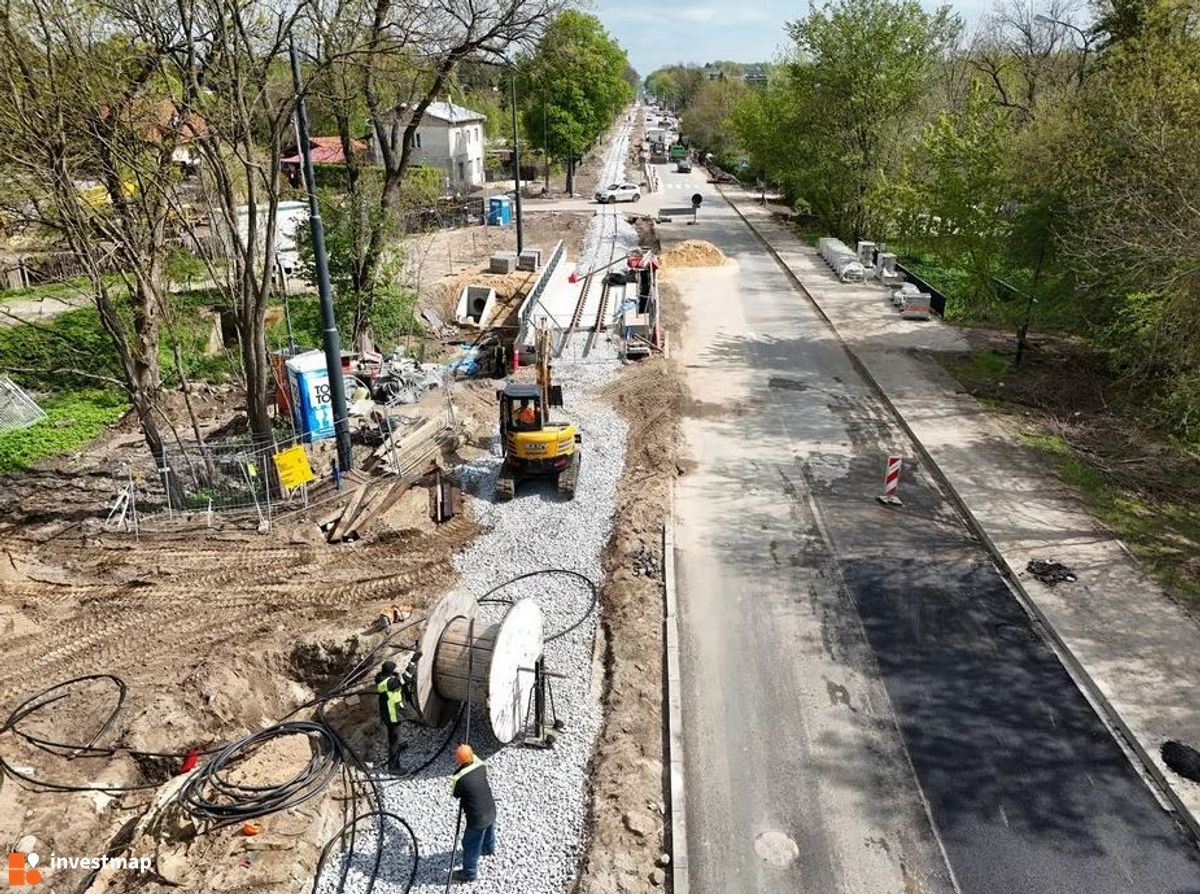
(566, 572)
(210, 794)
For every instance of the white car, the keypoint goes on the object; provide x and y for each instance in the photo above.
(619, 192)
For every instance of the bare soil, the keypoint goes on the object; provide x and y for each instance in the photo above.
(693, 253)
(462, 253)
(214, 631)
(628, 773)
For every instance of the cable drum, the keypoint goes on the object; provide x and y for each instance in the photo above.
(210, 794)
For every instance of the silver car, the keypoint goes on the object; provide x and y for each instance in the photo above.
(619, 192)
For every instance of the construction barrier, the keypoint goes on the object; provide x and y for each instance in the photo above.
(891, 482)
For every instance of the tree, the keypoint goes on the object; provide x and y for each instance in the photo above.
(88, 132)
(706, 120)
(860, 73)
(675, 85)
(400, 58)
(574, 83)
(1132, 177)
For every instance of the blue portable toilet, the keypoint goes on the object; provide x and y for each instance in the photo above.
(308, 382)
(499, 211)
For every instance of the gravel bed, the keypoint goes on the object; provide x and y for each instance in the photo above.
(541, 795)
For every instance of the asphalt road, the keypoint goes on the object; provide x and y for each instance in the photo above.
(866, 706)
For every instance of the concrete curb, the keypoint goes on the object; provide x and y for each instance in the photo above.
(1091, 690)
(678, 806)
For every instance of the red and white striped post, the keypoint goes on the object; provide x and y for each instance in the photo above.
(891, 483)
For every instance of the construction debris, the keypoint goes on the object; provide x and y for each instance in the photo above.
(1050, 573)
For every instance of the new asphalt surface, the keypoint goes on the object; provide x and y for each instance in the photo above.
(867, 708)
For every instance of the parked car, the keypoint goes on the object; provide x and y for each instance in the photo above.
(619, 192)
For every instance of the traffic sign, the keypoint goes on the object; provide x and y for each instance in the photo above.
(697, 199)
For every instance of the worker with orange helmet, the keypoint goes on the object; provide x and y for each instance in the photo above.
(470, 785)
(526, 415)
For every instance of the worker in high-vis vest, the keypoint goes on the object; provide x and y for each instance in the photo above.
(470, 785)
(390, 686)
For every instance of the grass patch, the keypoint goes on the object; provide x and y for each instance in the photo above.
(40, 356)
(1102, 445)
(72, 421)
(66, 290)
(1163, 534)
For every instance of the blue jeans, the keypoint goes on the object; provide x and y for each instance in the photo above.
(476, 842)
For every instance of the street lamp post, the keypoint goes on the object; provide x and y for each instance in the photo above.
(333, 351)
(516, 155)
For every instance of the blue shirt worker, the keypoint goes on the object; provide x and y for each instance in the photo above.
(470, 785)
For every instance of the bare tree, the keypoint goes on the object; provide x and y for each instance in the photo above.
(1024, 52)
(398, 58)
(88, 145)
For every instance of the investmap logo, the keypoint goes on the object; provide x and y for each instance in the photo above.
(22, 870)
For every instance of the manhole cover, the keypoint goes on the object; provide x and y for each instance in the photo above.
(776, 848)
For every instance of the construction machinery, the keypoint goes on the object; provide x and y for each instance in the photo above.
(533, 445)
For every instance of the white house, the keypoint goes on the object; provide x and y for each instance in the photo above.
(450, 138)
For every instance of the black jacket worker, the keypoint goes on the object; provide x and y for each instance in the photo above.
(470, 785)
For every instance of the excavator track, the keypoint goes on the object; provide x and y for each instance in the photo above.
(568, 478)
(506, 485)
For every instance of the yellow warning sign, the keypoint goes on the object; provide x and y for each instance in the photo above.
(292, 465)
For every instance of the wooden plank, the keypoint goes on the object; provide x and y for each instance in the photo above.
(367, 511)
(339, 530)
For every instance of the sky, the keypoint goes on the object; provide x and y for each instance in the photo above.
(663, 32)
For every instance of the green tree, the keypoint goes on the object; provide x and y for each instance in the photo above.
(573, 84)
(859, 76)
(706, 120)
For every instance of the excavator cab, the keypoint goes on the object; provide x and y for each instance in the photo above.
(533, 445)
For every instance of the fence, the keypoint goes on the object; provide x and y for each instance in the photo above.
(17, 409)
(233, 475)
(937, 300)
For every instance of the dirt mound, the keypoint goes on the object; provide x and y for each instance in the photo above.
(693, 253)
(508, 287)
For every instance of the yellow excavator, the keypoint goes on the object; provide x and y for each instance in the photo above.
(533, 445)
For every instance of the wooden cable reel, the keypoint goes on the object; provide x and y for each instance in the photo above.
(461, 655)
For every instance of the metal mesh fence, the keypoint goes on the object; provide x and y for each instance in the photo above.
(17, 409)
(229, 475)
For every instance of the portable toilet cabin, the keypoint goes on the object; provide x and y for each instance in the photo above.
(499, 211)
(312, 408)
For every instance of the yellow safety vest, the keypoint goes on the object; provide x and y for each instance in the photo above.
(395, 699)
(475, 764)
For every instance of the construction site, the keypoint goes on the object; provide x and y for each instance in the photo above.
(191, 656)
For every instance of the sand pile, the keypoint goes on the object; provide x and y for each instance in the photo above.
(693, 253)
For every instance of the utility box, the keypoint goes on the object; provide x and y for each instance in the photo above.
(530, 259)
(503, 262)
(499, 212)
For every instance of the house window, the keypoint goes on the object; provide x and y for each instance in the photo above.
(460, 170)
(417, 139)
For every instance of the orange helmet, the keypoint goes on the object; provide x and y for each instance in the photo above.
(464, 754)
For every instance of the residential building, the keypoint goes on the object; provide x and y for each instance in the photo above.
(449, 138)
(325, 150)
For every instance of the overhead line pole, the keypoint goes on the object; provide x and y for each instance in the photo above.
(331, 340)
(516, 155)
